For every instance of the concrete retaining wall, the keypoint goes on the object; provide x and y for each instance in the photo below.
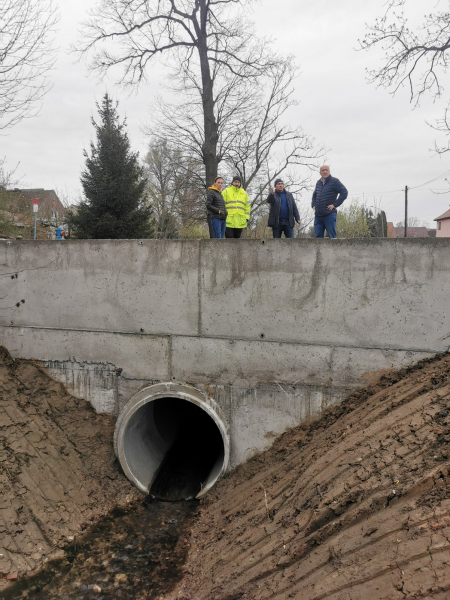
(275, 331)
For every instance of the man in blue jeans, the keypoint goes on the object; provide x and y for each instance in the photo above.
(328, 195)
(283, 211)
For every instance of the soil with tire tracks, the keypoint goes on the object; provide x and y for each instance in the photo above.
(354, 506)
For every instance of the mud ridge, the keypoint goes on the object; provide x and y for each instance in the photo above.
(58, 472)
(355, 505)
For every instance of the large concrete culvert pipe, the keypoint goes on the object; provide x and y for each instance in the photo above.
(172, 442)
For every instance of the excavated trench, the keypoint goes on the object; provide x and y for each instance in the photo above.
(353, 505)
(133, 553)
(72, 526)
(171, 442)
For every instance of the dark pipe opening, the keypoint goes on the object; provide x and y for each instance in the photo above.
(194, 448)
(171, 447)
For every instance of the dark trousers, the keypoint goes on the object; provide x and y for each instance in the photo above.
(219, 226)
(327, 222)
(283, 227)
(233, 232)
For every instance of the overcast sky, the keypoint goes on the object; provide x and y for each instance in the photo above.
(377, 144)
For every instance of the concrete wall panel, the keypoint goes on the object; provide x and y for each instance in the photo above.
(120, 285)
(274, 332)
(249, 363)
(90, 364)
(260, 415)
(370, 293)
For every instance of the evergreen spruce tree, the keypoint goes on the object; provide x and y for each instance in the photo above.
(113, 183)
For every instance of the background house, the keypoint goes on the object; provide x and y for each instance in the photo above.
(17, 218)
(413, 232)
(50, 206)
(391, 230)
(443, 225)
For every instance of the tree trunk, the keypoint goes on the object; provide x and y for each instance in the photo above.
(209, 148)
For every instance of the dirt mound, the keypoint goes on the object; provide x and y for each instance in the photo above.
(58, 471)
(354, 506)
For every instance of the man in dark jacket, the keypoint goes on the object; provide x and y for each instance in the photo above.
(283, 211)
(328, 195)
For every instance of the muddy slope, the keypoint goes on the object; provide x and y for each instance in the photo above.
(57, 467)
(354, 506)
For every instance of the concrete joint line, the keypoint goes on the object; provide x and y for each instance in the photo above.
(237, 339)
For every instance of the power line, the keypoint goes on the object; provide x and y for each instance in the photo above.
(393, 200)
(447, 189)
(374, 193)
(431, 180)
(401, 190)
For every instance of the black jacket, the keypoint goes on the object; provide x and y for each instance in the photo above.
(275, 205)
(327, 193)
(214, 203)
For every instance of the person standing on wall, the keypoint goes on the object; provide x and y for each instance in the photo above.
(238, 208)
(215, 205)
(283, 211)
(327, 196)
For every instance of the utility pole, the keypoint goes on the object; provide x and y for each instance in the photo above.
(406, 211)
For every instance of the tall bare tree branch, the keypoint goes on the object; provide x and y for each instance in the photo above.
(199, 38)
(415, 58)
(7, 176)
(26, 57)
(254, 137)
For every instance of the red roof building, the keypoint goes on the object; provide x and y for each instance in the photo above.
(391, 230)
(413, 232)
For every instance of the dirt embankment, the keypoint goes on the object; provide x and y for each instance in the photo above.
(57, 467)
(354, 506)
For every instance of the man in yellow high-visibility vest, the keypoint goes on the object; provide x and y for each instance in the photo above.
(238, 207)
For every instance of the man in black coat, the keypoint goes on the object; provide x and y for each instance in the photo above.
(327, 196)
(283, 211)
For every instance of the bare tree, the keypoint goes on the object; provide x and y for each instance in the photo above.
(175, 189)
(442, 125)
(255, 139)
(26, 57)
(413, 222)
(263, 143)
(412, 58)
(200, 39)
(7, 176)
(416, 58)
